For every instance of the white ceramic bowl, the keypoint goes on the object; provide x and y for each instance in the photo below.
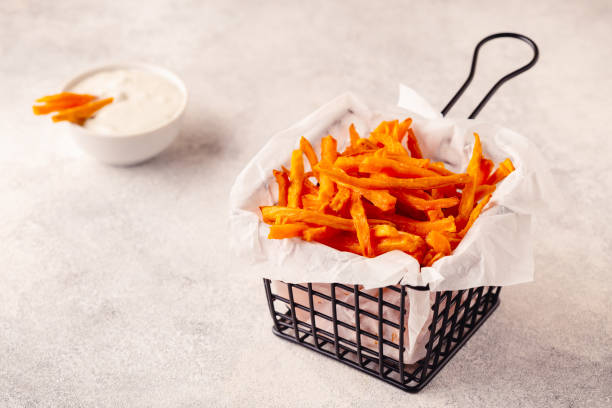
(133, 148)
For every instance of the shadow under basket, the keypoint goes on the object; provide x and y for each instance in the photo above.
(332, 319)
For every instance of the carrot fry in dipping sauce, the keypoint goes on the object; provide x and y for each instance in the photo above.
(60, 102)
(80, 113)
(64, 96)
(398, 199)
(296, 179)
(361, 224)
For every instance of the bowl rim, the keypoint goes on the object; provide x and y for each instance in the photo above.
(157, 69)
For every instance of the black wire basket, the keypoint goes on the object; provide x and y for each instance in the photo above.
(331, 318)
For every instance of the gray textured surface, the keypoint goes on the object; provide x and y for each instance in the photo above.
(116, 285)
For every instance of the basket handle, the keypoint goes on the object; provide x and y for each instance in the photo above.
(499, 83)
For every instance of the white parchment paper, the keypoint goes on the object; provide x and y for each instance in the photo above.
(497, 250)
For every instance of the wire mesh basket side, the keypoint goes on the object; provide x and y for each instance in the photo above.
(366, 329)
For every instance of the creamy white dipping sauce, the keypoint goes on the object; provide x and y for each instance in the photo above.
(143, 100)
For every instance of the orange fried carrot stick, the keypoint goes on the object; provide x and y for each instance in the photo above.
(438, 242)
(318, 233)
(340, 198)
(505, 168)
(68, 100)
(307, 149)
(328, 156)
(380, 198)
(377, 164)
(423, 204)
(391, 182)
(296, 178)
(64, 96)
(282, 231)
(413, 145)
(353, 135)
(283, 181)
(82, 112)
(403, 241)
(362, 227)
(293, 215)
(467, 197)
(474, 214)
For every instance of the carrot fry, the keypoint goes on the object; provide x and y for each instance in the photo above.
(438, 242)
(283, 181)
(384, 231)
(486, 166)
(341, 197)
(377, 164)
(411, 225)
(361, 224)
(350, 163)
(436, 214)
(293, 215)
(467, 196)
(307, 149)
(81, 112)
(424, 163)
(310, 201)
(422, 204)
(474, 214)
(403, 242)
(380, 198)
(296, 178)
(353, 135)
(286, 230)
(413, 145)
(308, 187)
(318, 233)
(482, 191)
(61, 104)
(328, 156)
(339, 175)
(503, 170)
(403, 129)
(63, 96)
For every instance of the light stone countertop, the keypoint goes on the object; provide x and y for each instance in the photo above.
(117, 287)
